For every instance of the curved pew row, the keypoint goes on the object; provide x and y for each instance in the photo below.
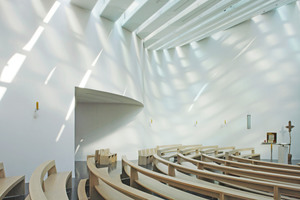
(218, 152)
(170, 151)
(55, 185)
(265, 176)
(103, 186)
(275, 188)
(137, 178)
(240, 153)
(230, 163)
(202, 188)
(81, 193)
(264, 163)
(11, 186)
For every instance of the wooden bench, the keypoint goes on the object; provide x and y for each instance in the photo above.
(105, 157)
(239, 152)
(102, 186)
(230, 163)
(265, 176)
(203, 188)
(170, 152)
(81, 192)
(146, 156)
(55, 185)
(264, 163)
(276, 188)
(218, 152)
(151, 184)
(11, 186)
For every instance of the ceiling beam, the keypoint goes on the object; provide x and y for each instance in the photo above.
(142, 13)
(86, 4)
(113, 9)
(168, 12)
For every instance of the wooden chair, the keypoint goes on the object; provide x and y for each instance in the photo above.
(11, 186)
(53, 187)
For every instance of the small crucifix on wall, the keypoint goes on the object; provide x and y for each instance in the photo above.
(289, 127)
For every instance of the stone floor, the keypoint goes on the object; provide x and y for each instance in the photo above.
(82, 172)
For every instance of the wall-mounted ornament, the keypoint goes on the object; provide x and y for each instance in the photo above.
(35, 115)
(248, 121)
(289, 127)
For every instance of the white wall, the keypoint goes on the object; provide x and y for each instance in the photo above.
(252, 68)
(75, 48)
(113, 126)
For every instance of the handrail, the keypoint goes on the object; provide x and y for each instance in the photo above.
(230, 163)
(241, 172)
(259, 162)
(276, 188)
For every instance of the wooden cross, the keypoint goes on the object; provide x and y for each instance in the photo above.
(290, 126)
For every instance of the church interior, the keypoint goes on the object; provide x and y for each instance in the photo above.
(149, 99)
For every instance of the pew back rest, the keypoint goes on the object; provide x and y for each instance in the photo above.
(36, 183)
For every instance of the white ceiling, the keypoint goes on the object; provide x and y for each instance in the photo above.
(163, 24)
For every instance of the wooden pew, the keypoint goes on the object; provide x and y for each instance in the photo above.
(53, 188)
(105, 157)
(146, 156)
(151, 184)
(170, 152)
(102, 186)
(11, 186)
(81, 193)
(230, 163)
(264, 163)
(218, 152)
(276, 188)
(238, 152)
(202, 188)
(265, 176)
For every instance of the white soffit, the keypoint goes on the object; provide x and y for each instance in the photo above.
(141, 13)
(86, 4)
(113, 9)
(84, 95)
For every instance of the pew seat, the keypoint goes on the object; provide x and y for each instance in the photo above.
(53, 187)
(11, 186)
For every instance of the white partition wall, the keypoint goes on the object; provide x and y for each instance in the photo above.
(47, 48)
(203, 92)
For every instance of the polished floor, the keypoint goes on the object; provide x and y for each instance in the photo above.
(81, 172)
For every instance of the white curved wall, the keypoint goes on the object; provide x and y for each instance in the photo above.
(252, 68)
(75, 48)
